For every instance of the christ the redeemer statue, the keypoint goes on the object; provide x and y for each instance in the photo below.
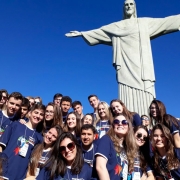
(132, 55)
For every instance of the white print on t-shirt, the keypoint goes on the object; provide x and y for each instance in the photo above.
(124, 164)
(31, 140)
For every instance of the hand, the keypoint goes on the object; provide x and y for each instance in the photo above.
(73, 34)
(22, 121)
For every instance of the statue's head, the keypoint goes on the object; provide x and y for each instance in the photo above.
(129, 9)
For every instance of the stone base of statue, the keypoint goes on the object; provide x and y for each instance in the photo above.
(136, 100)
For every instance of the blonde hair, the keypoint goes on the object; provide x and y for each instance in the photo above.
(106, 106)
(129, 144)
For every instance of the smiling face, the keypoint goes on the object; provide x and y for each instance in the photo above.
(121, 129)
(159, 139)
(68, 154)
(13, 105)
(94, 102)
(50, 137)
(88, 119)
(154, 110)
(102, 112)
(117, 108)
(140, 137)
(71, 121)
(87, 137)
(78, 109)
(36, 116)
(49, 113)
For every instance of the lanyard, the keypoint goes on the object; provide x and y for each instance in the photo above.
(25, 133)
(68, 175)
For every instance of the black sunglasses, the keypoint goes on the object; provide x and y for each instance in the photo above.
(139, 135)
(123, 122)
(70, 146)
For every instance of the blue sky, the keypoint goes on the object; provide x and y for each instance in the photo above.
(38, 60)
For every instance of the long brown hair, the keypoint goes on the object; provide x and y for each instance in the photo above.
(3, 162)
(57, 161)
(172, 161)
(129, 144)
(37, 152)
(57, 120)
(77, 129)
(162, 116)
(125, 112)
(144, 153)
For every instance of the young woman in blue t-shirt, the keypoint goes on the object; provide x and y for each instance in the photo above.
(158, 114)
(42, 152)
(19, 140)
(87, 119)
(166, 156)
(72, 124)
(117, 107)
(142, 165)
(105, 119)
(53, 116)
(67, 161)
(116, 151)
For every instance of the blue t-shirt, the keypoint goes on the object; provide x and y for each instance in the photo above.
(174, 129)
(136, 120)
(117, 164)
(89, 155)
(4, 165)
(102, 127)
(16, 138)
(164, 172)
(137, 169)
(41, 164)
(85, 174)
(5, 122)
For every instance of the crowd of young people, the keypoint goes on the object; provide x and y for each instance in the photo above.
(111, 143)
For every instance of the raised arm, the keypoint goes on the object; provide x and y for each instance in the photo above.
(73, 34)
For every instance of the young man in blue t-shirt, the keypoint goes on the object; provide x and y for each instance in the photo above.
(94, 101)
(7, 116)
(65, 105)
(88, 134)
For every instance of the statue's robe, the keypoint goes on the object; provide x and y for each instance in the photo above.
(132, 55)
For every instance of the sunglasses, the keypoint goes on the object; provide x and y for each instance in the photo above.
(139, 135)
(145, 118)
(70, 146)
(123, 122)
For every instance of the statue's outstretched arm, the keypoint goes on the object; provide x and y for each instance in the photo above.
(73, 34)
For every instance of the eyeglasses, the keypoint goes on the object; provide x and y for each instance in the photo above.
(123, 122)
(49, 112)
(139, 135)
(70, 146)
